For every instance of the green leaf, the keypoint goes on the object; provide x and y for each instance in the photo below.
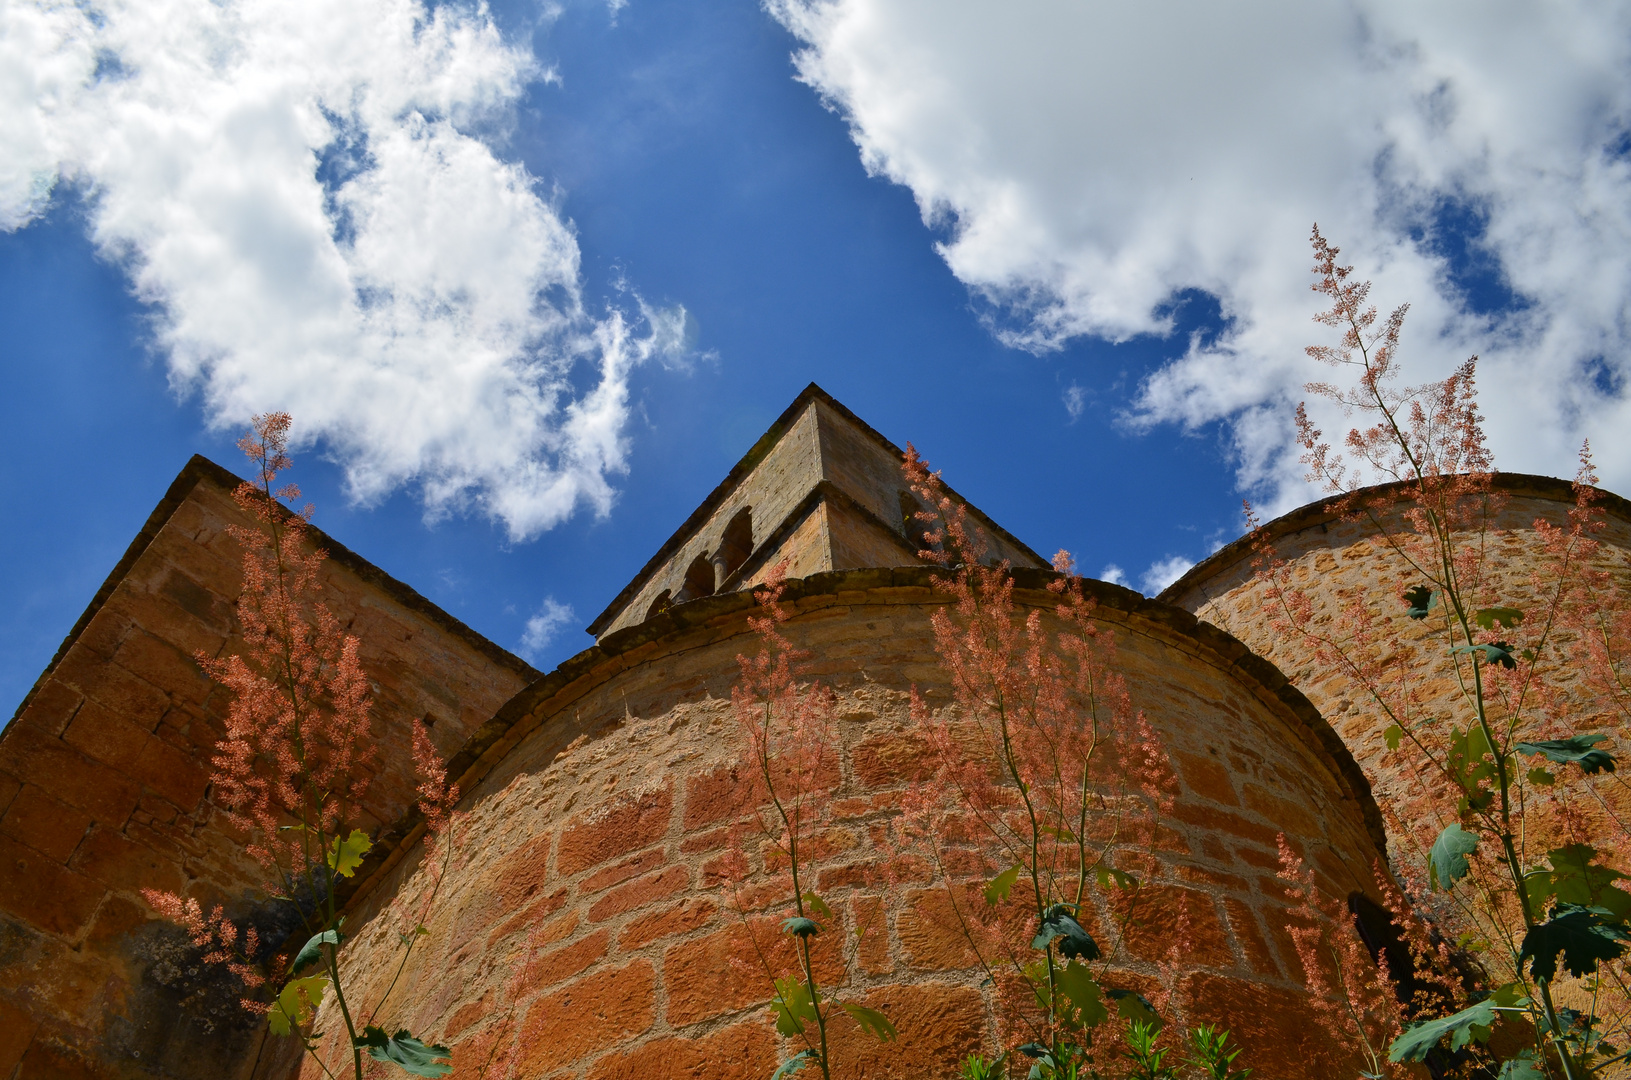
(312, 952)
(1489, 617)
(794, 1064)
(1420, 601)
(1041, 1053)
(817, 905)
(872, 1021)
(1001, 885)
(1540, 777)
(799, 926)
(1580, 934)
(1577, 880)
(1122, 879)
(344, 856)
(1576, 749)
(1469, 765)
(1470, 1024)
(405, 1052)
(793, 1006)
(1074, 942)
(1491, 652)
(296, 1003)
(1521, 1067)
(1134, 1008)
(1447, 861)
(1538, 885)
(1082, 994)
(1392, 735)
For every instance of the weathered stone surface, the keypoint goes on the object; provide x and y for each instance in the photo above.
(632, 783)
(614, 909)
(1339, 563)
(103, 777)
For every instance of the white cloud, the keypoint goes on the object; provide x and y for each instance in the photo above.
(541, 629)
(1088, 160)
(1164, 572)
(1075, 401)
(312, 196)
(1114, 574)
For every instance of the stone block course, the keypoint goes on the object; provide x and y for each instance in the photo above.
(594, 1013)
(44, 824)
(614, 828)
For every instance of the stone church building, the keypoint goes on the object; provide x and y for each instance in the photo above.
(583, 931)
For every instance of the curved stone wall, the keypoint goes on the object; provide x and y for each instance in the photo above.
(585, 927)
(1337, 562)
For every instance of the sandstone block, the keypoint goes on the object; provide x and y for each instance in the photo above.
(722, 972)
(42, 892)
(1156, 919)
(51, 764)
(44, 824)
(677, 918)
(622, 871)
(614, 828)
(106, 855)
(101, 733)
(594, 1013)
(745, 1051)
(52, 706)
(558, 965)
(938, 1026)
(639, 893)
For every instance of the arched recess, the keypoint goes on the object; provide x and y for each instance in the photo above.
(736, 545)
(659, 605)
(699, 580)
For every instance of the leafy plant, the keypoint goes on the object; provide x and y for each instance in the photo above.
(290, 771)
(1519, 670)
(1045, 761)
(788, 726)
(1211, 1054)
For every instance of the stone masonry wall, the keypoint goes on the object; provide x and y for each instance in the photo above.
(104, 791)
(1340, 562)
(587, 932)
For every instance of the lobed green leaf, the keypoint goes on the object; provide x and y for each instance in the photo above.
(794, 1064)
(1074, 942)
(793, 1007)
(1082, 994)
(1000, 886)
(872, 1021)
(1576, 749)
(1134, 1007)
(312, 951)
(405, 1052)
(1491, 652)
(1120, 878)
(1471, 1024)
(1575, 879)
(296, 1003)
(1419, 600)
(799, 926)
(1491, 617)
(1447, 861)
(816, 904)
(345, 855)
(1583, 936)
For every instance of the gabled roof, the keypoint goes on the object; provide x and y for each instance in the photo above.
(841, 467)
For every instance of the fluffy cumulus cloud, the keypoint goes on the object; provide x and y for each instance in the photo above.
(1087, 163)
(310, 197)
(544, 626)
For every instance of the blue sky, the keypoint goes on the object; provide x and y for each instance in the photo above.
(985, 240)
